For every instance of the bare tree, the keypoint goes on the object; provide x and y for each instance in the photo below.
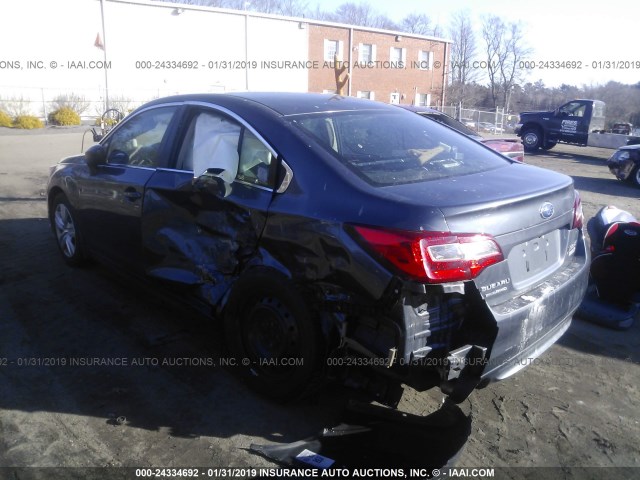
(384, 22)
(294, 8)
(322, 15)
(463, 53)
(516, 51)
(77, 103)
(265, 6)
(418, 23)
(504, 49)
(492, 33)
(16, 106)
(364, 15)
(356, 14)
(202, 3)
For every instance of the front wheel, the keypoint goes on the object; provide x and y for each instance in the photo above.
(635, 176)
(531, 139)
(549, 145)
(65, 227)
(273, 337)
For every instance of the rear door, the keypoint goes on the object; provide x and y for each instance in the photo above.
(111, 197)
(196, 230)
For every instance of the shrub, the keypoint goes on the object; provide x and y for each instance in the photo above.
(27, 122)
(64, 116)
(5, 119)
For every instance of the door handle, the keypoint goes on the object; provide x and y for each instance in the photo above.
(132, 194)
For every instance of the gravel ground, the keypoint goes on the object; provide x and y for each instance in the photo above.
(577, 407)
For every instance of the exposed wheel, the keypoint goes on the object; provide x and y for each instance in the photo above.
(549, 145)
(531, 139)
(65, 228)
(274, 339)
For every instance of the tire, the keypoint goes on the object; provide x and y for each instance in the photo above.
(266, 321)
(531, 139)
(634, 178)
(549, 145)
(65, 228)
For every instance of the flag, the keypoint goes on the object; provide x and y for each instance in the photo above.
(98, 43)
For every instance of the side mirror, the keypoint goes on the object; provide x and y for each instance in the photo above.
(213, 180)
(95, 155)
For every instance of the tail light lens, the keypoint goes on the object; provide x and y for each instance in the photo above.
(433, 257)
(578, 215)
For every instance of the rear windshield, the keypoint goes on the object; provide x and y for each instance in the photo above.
(450, 122)
(389, 148)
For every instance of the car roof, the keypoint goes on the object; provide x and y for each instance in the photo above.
(283, 103)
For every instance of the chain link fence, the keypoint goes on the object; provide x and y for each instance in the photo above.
(88, 103)
(483, 121)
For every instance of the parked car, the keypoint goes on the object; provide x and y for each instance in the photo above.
(331, 233)
(509, 147)
(625, 164)
(485, 126)
(622, 128)
(467, 122)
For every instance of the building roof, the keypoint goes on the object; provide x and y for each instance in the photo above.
(249, 13)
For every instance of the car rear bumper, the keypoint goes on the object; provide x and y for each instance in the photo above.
(530, 323)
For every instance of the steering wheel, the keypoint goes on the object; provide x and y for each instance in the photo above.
(144, 156)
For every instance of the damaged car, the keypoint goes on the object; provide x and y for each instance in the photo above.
(332, 237)
(625, 164)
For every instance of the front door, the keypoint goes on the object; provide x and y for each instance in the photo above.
(111, 198)
(571, 122)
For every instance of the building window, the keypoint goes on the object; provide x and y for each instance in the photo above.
(398, 57)
(366, 94)
(367, 53)
(423, 99)
(425, 60)
(331, 49)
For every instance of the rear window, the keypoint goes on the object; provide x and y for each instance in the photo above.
(388, 148)
(450, 122)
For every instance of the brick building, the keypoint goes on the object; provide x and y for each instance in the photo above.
(392, 67)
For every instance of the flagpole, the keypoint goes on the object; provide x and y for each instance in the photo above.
(104, 51)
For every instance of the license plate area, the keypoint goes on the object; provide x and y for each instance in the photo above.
(533, 260)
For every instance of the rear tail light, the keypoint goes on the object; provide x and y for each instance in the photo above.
(433, 257)
(578, 215)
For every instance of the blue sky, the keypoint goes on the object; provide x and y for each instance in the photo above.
(570, 30)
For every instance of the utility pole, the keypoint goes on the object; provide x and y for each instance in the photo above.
(104, 51)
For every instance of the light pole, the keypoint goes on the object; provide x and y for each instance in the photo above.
(104, 51)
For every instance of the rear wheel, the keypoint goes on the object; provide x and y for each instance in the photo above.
(273, 337)
(532, 139)
(65, 227)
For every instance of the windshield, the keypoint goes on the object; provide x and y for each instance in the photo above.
(388, 148)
